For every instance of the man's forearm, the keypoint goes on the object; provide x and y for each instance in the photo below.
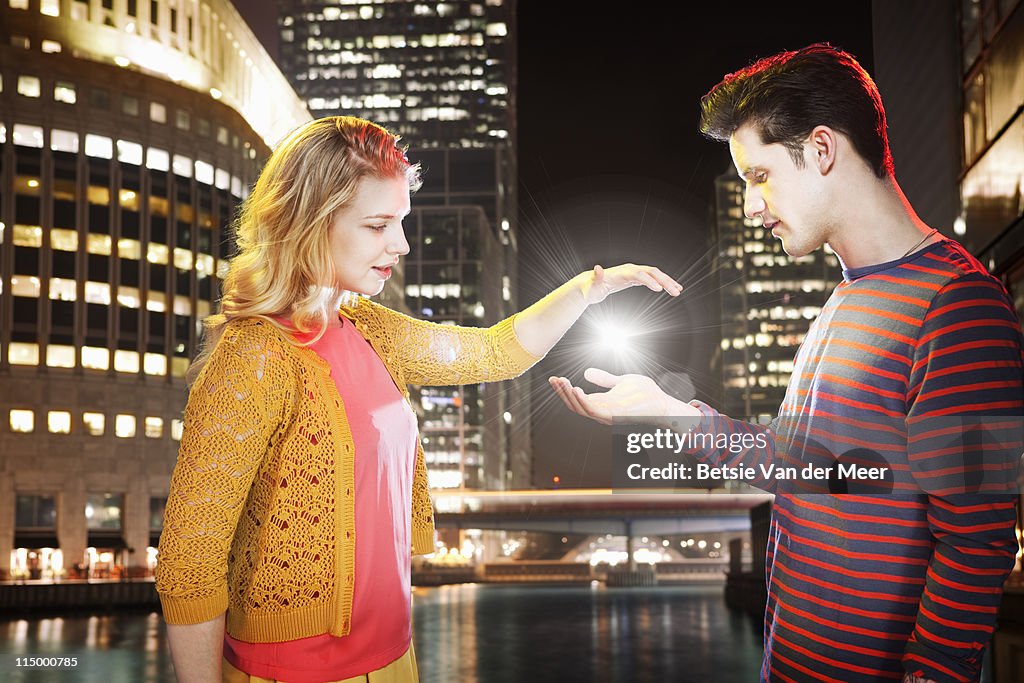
(197, 650)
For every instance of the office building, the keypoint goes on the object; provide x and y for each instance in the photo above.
(129, 132)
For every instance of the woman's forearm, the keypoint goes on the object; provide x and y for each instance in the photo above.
(197, 650)
(540, 326)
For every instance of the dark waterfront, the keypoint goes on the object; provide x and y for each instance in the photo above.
(473, 633)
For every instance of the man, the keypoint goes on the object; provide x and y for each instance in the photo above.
(863, 587)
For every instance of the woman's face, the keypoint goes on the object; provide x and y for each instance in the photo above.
(366, 238)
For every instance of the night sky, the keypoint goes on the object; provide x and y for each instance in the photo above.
(613, 169)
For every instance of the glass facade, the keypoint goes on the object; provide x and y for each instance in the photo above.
(441, 72)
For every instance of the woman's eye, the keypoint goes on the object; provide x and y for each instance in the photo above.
(379, 228)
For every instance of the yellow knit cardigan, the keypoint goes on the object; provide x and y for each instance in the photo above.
(260, 518)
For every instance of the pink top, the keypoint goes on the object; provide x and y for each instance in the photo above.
(384, 433)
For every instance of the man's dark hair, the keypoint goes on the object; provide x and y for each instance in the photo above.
(786, 95)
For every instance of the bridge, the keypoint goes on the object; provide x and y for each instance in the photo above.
(600, 511)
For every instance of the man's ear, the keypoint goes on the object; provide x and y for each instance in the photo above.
(822, 143)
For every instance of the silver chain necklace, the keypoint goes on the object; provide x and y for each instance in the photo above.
(923, 240)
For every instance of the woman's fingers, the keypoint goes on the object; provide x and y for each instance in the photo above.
(564, 390)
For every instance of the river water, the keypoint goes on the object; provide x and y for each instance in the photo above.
(473, 633)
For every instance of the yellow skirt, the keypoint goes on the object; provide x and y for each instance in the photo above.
(402, 670)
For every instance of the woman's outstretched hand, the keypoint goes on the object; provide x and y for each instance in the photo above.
(628, 396)
(597, 284)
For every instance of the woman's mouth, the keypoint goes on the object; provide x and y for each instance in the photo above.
(383, 271)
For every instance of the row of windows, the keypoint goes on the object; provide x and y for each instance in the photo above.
(35, 512)
(63, 239)
(96, 358)
(103, 147)
(66, 92)
(125, 425)
(66, 289)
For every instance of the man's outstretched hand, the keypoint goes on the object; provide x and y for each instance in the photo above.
(635, 397)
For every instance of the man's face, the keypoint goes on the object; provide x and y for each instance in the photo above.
(789, 199)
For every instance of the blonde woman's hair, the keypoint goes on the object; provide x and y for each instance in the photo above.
(283, 265)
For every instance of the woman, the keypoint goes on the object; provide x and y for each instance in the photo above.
(299, 438)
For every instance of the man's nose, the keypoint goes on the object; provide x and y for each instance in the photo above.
(753, 204)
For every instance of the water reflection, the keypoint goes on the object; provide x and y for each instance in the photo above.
(469, 633)
(493, 634)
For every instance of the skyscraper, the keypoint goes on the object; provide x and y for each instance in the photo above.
(442, 75)
(128, 135)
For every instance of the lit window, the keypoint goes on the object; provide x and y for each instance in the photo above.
(182, 120)
(97, 293)
(157, 112)
(182, 259)
(95, 358)
(157, 302)
(157, 253)
(99, 146)
(62, 289)
(236, 186)
(222, 179)
(204, 172)
(177, 427)
(28, 236)
(18, 4)
(22, 353)
(63, 141)
(202, 309)
(98, 195)
(129, 249)
(28, 136)
(204, 265)
(182, 305)
(29, 86)
(222, 135)
(154, 427)
(59, 421)
(64, 240)
(64, 91)
(23, 421)
(182, 166)
(129, 298)
(21, 42)
(130, 105)
(50, 46)
(498, 29)
(157, 159)
(25, 285)
(50, 8)
(129, 199)
(60, 356)
(95, 423)
(129, 152)
(126, 361)
(155, 364)
(97, 244)
(124, 426)
(179, 366)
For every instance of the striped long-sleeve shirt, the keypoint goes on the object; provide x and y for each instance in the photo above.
(861, 586)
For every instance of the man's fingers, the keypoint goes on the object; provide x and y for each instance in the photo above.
(589, 409)
(601, 378)
(564, 389)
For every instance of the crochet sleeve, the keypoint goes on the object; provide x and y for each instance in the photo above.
(431, 354)
(233, 409)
